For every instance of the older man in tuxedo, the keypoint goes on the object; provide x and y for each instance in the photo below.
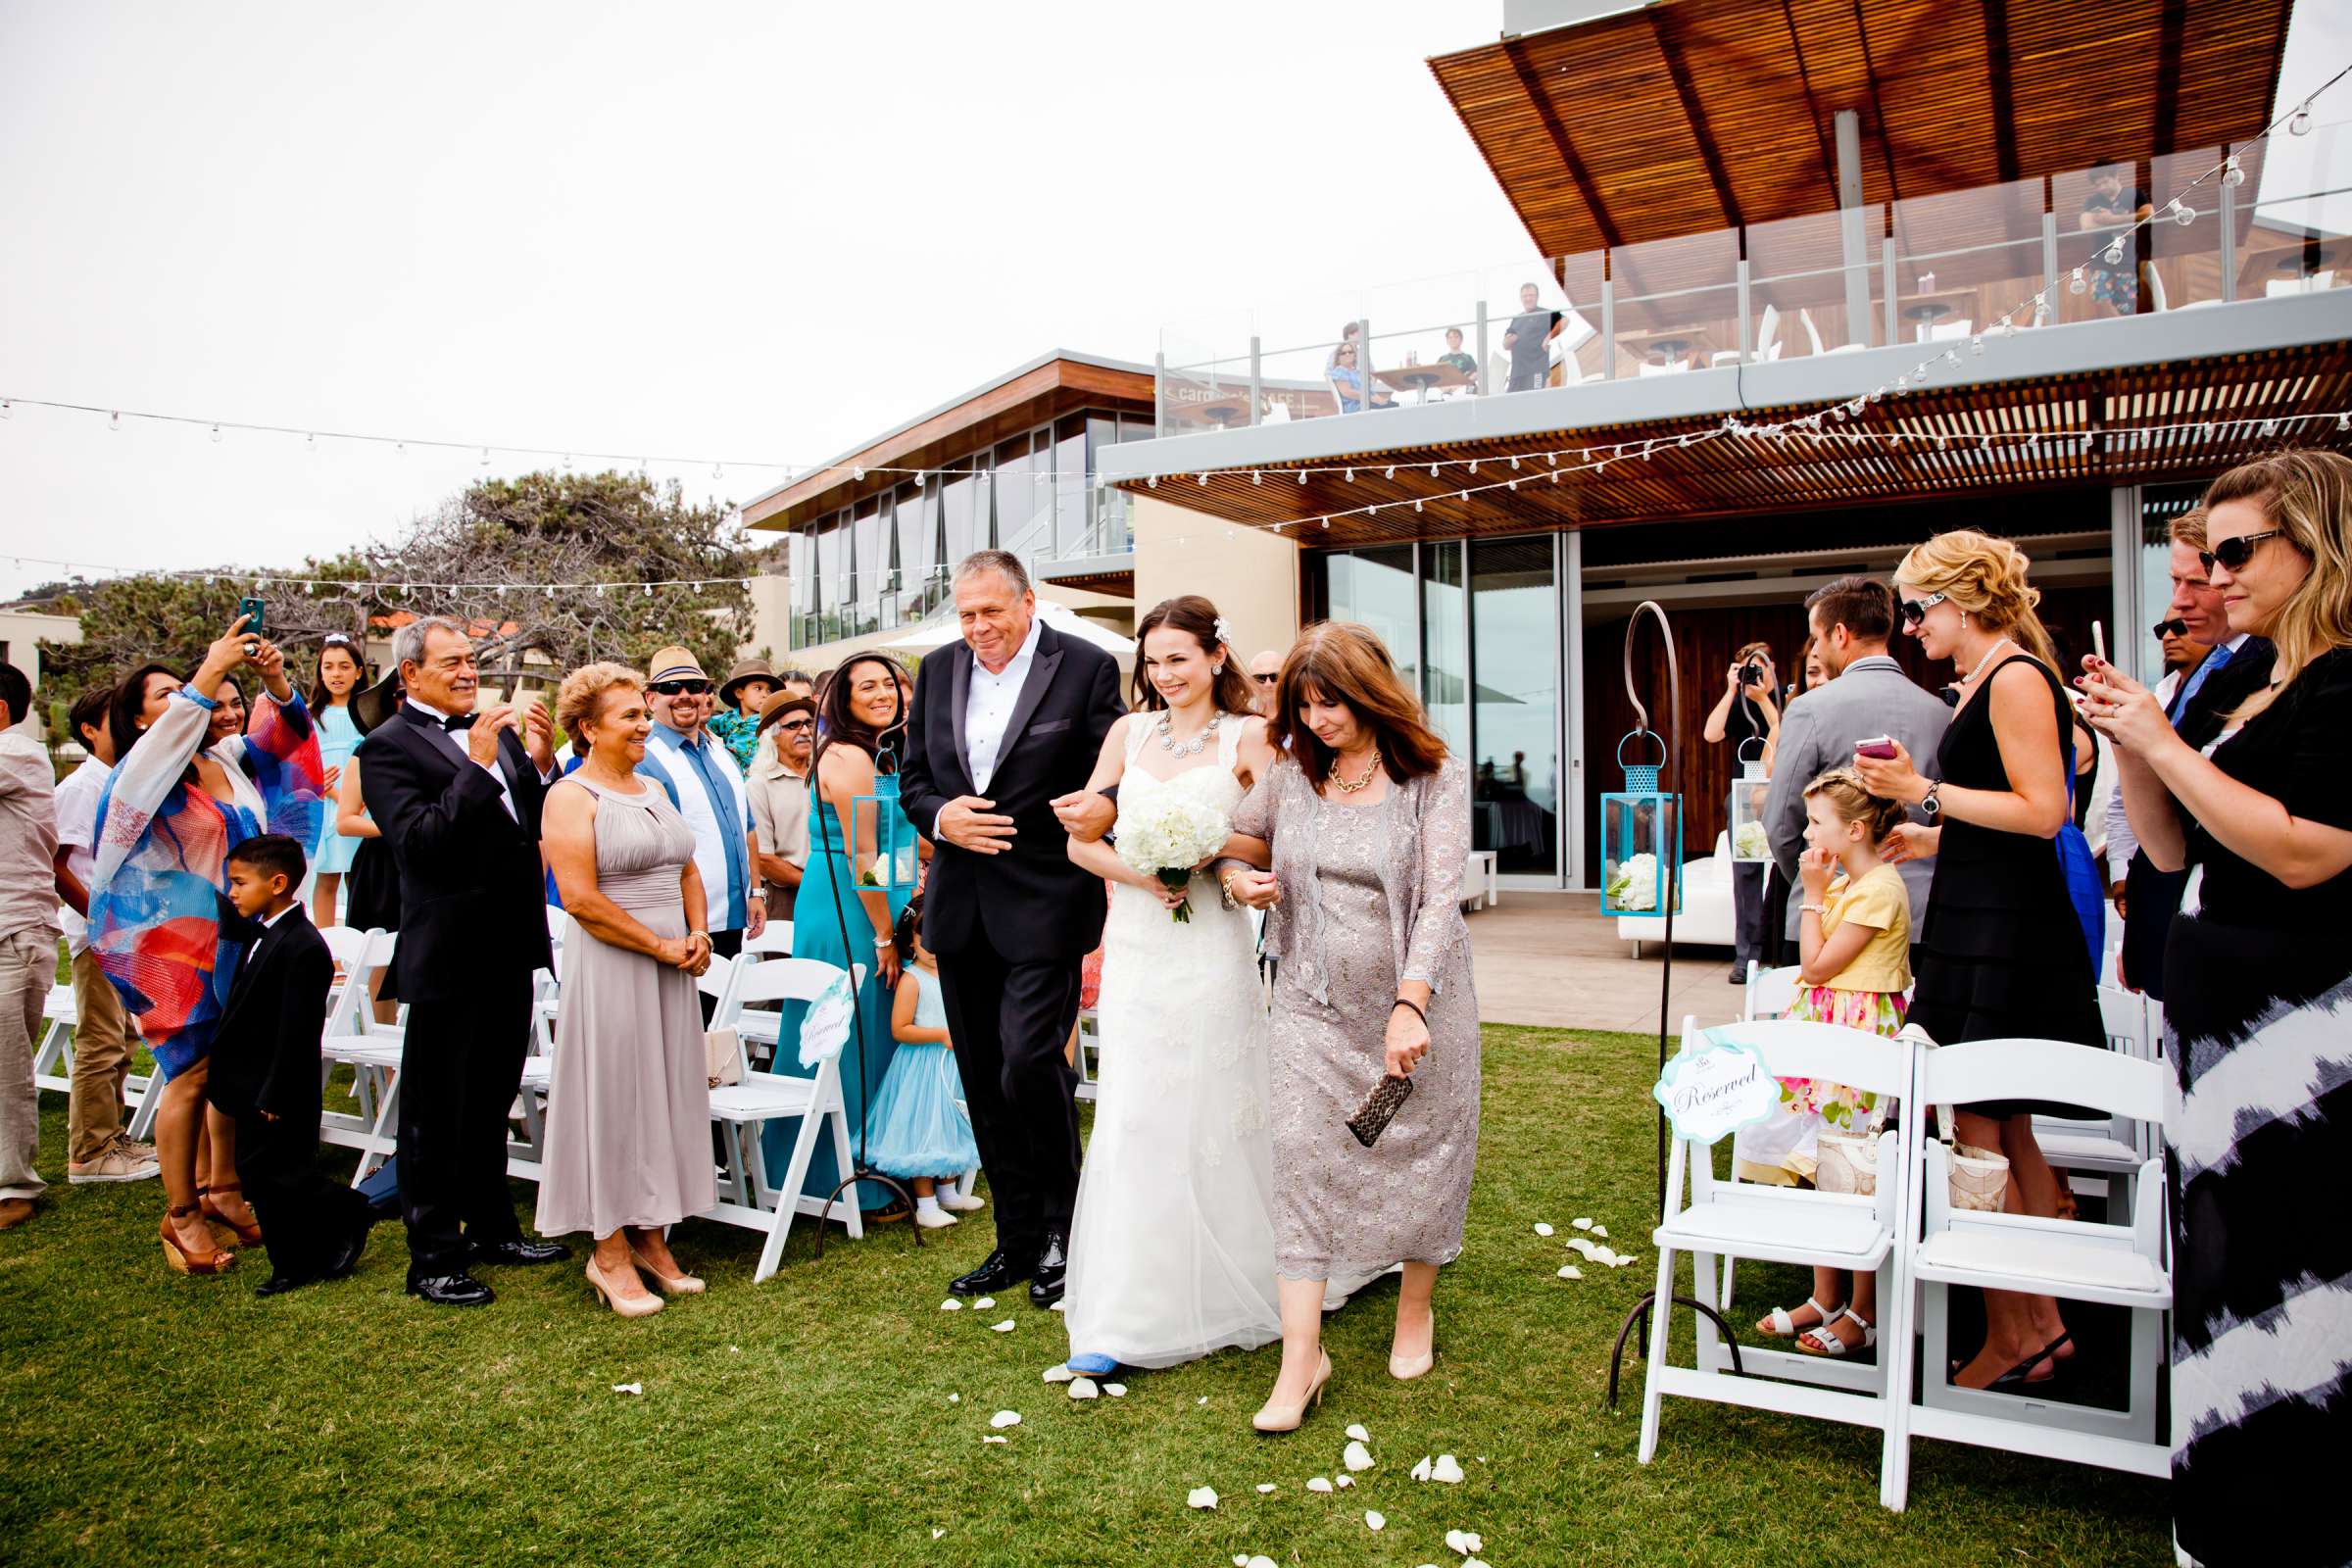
(1006, 726)
(457, 795)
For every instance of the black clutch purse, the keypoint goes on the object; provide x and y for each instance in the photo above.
(1379, 1107)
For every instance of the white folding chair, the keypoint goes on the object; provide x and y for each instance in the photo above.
(1785, 1225)
(1090, 1054)
(353, 1039)
(53, 1058)
(2125, 1265)
(1770, 993)
(740, 1111)
(773, 942)
(2105, 1154)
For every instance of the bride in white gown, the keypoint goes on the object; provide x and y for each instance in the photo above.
(1172, 1244)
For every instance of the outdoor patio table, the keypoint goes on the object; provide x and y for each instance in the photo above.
(1420, 378)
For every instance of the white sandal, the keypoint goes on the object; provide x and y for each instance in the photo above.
(1783, 1325)
(1816, 1342)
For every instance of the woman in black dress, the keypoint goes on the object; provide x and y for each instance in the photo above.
(2258, 1023)
(2001, 954)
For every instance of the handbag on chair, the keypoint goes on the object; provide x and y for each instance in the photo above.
(1845, 1162)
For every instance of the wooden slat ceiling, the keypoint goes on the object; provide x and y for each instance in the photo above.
(1697, 115)
(1755, 477)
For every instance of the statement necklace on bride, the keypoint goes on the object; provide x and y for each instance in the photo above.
(1370, 768)
(1175, 747)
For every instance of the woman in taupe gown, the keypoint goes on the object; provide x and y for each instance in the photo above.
(1368, 820)
(629, 1102)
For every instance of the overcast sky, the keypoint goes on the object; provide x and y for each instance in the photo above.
(752, 230)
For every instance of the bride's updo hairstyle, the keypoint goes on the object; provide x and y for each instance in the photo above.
(1199, 619)
(1985, 577)
(1339, 661)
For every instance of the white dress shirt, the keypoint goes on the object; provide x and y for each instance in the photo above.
(451, 741)
(987, 707)
(2122, 842)
(78, 835)
(710, 858)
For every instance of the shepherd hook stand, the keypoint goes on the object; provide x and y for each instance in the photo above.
(1636, 1318)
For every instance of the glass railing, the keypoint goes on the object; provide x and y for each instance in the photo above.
(1936, 270)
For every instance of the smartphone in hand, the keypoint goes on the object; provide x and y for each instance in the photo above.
(1880, 746)
(254, 612)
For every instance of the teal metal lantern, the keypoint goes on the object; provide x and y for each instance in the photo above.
(893, 866)
(1640, 840)
(1750, 842)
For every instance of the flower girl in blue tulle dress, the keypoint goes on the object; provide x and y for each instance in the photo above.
(920, 1133)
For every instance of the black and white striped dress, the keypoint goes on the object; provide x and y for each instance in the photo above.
(2258, 1018)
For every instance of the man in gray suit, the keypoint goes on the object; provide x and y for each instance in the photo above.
(1868, 694)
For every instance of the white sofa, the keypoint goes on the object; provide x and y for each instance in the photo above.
(1705, 917)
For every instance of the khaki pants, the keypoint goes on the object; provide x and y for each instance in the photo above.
(101, 1062)
(27, 969)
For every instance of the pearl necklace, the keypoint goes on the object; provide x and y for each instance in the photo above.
(1370, 768)
(1175, 747)
(1987, 659)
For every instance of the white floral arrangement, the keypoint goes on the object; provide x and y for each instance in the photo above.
(1168, 834)
(1751, 843)
(1634, 887)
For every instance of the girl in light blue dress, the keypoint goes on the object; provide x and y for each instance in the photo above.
(921, 1135)
(340, 674)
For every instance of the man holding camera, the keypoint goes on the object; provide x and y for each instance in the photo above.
(1746, 714)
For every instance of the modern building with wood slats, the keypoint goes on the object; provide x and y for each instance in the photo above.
(1910, 224)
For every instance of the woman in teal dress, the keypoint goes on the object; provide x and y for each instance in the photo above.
(863, 723)
(340, 673)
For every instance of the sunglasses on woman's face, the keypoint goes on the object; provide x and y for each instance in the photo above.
(2235, 553)
(681, 688)
(1915, 611)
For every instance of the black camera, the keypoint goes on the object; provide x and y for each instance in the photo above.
(1752, 673)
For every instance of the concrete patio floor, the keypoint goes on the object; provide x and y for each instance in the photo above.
(1551, 959)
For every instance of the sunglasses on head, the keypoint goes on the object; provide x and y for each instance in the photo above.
(2175, 627)
(2235, 553)
(681, 688)
(1915, 611)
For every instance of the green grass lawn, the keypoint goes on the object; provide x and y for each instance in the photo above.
(834, 1415)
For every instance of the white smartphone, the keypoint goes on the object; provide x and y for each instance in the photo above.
(2098, 641)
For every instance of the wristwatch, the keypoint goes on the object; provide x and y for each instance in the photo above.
(1931, 805)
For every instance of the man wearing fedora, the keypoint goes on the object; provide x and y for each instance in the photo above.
(703, 782)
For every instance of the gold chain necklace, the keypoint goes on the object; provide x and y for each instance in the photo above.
(1370, 768)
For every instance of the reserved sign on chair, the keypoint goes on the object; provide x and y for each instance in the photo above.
(1715, 1089)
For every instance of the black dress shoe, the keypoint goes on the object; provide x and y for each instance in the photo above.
(280, 1284)
(453, 1290)
(344, 1260)
(1052, 1264)
(520, 1252)
(1001, 1272)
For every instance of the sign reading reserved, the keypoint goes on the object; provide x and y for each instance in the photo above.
(1715, 1089)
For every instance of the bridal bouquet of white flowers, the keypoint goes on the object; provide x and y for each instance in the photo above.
(1168, 835)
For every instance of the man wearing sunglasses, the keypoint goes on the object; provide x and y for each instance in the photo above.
(2194, 699)
(1265, 670)
(699, 775)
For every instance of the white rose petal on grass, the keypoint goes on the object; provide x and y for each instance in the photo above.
(1203, 1399)
(1264, 1487)
(995, 1438)
(1420, 1470)
(1345, 1481)
(1569, 1271)
(1118, 1391)
(1601, 1231)
(1465, 1541)
(950, 1304)
(1084, 1389)
(955, 1398)
(1543, 1229)
(1375, 1520)
(1577, 1243)
(1356, 1430)
(936, 1533)
(1261, 1560)
(983, 1304)
(1004, 1327)
(1200, 1497)
(1448, 1469)
(1058, 1374)
(1320, 1484)
(628, 1388)
(1241, 1560)
(1582, 1222)
(1060, 1307)
(1004, 1418)
(1357, 1457)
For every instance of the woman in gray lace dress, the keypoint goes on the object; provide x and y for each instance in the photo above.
(1368, 823)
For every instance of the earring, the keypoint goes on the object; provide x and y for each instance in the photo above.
(1964, 617)
(1216, 670)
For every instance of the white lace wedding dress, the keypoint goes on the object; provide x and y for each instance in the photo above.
(1172, 1244)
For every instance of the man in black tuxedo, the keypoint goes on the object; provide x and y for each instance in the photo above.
(457, 796)
(265, 1072)
(1007, 724)
(2239, 667)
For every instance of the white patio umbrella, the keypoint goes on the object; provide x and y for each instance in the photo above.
(1054, 613)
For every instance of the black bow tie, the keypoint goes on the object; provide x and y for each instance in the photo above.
(453, 724)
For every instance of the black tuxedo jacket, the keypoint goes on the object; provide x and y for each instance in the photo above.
(472, 897)
(266, 1054)
(2152, 897)
(1031, 904)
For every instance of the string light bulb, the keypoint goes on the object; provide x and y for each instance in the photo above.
(2233, 172)
(485, 458)
(310, 443)
(216, 433)
(2182, 214)
(1976, 344)
(2300, 125)
(2114, 254)
(113, 420)
(1303, 476)
(7, 410)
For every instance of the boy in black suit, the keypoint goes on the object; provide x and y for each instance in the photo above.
(264, 1073)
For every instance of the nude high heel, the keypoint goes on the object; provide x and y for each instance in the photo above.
(666, 1284)
(1406, 1371)
(622, 1306)
(1285, 1417)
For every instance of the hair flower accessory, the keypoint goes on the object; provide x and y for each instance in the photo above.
(1224, 630)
